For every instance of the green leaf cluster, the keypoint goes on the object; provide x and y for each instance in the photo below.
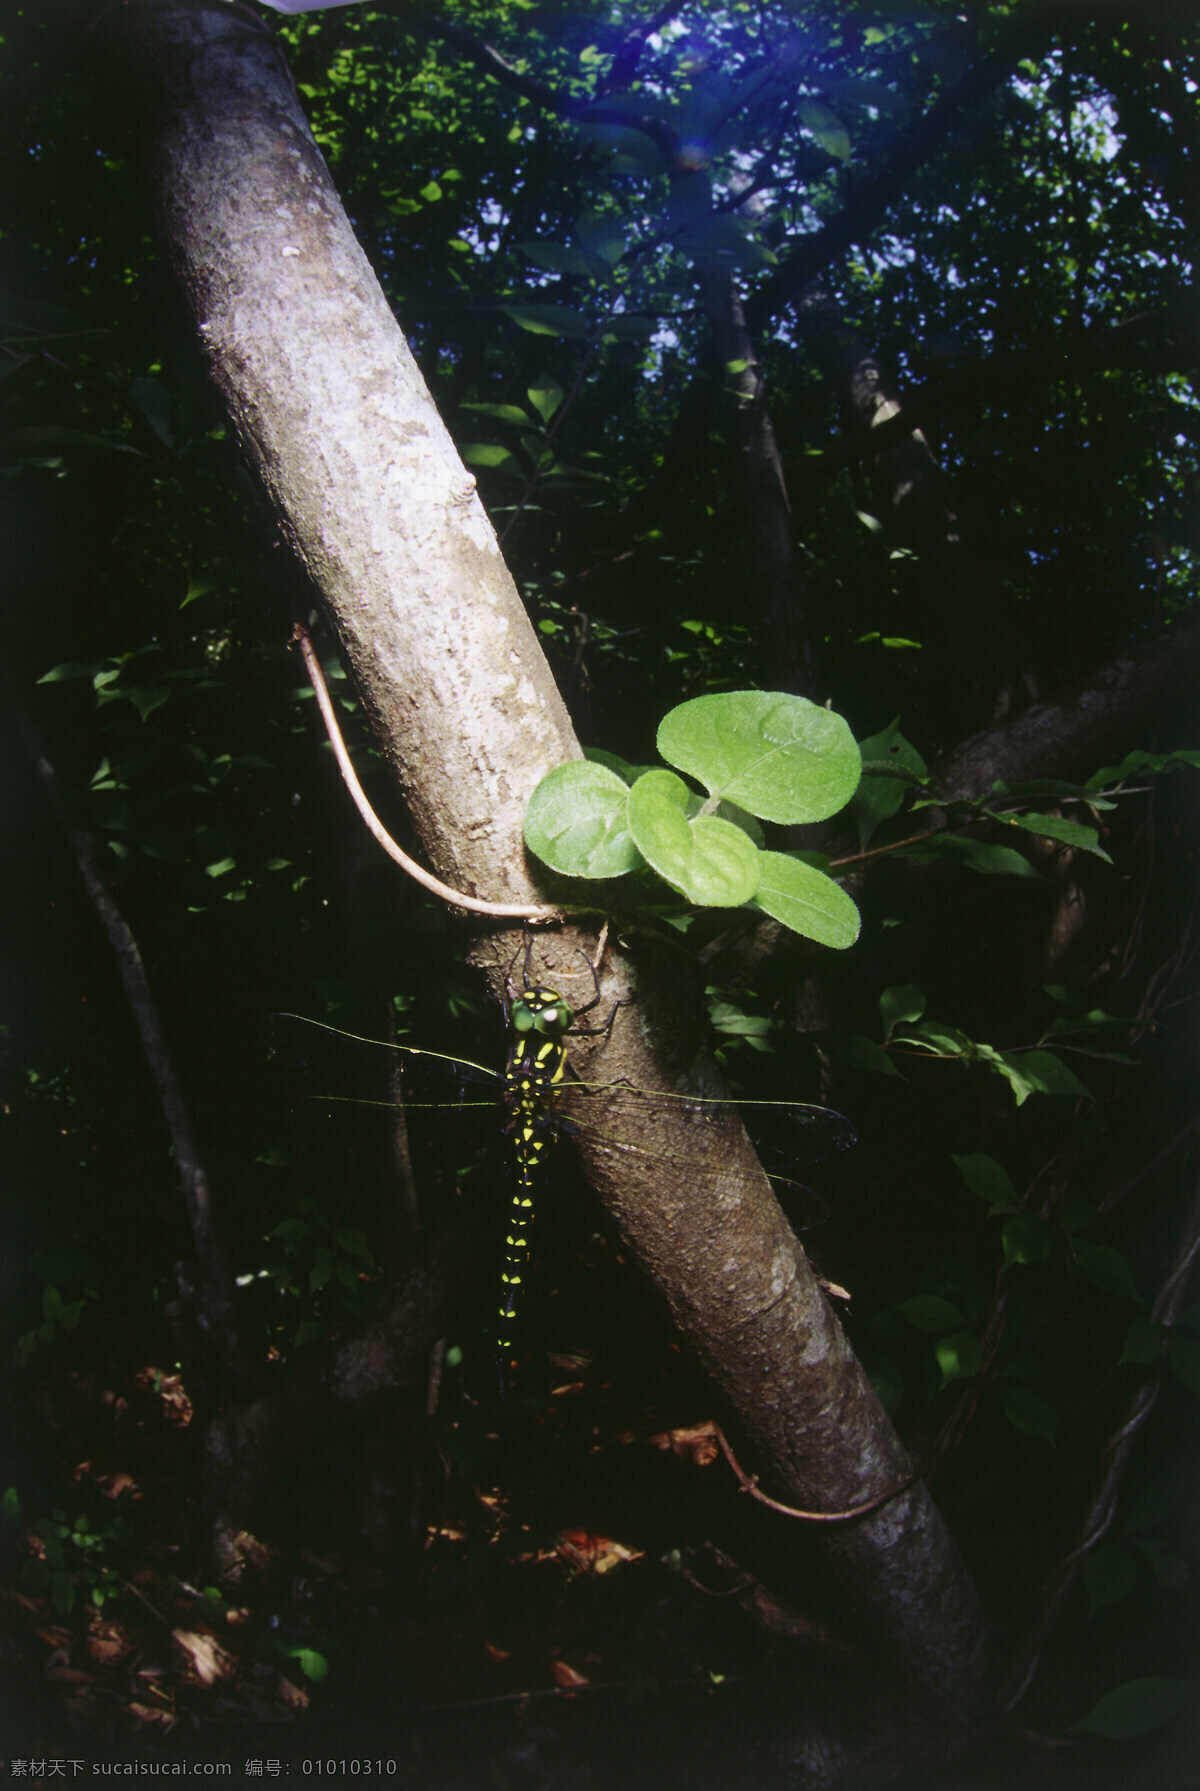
(326, 1267)
(759, 756)
(73, 1558)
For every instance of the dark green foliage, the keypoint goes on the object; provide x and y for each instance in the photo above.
(1019, 270)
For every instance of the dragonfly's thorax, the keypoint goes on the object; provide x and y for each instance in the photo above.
(539, 1020)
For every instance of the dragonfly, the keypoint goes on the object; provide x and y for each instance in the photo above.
(532, 1101)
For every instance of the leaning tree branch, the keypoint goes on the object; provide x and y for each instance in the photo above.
(1072, 736)
(629, 51)
(874, 198)
(485, 58)
(1156, 343)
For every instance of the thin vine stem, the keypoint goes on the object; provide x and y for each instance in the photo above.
(474, 905)
(749, 1484)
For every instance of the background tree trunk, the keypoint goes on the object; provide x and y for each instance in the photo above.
(773, 588)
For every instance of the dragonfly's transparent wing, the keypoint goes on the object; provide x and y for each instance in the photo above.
(450, 1100)
(361, 1103)
(316, 1051)
(788, 1136)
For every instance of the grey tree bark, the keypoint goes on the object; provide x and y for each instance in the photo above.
(336, 421)
(362, 473)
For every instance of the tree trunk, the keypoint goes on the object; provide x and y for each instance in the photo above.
(773, 588)
(334, 416)
(336, 420)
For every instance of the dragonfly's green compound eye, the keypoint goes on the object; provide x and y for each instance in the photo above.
(554, 1019)
(550, 1021)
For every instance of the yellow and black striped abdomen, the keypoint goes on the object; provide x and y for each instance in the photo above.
(537, 1062)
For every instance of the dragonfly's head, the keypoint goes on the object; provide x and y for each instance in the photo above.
(543, 1011)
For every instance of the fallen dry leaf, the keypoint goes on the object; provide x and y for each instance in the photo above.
(106, 1647)
(159, 1719)
(169, 1390)
(112, 1483)
(696, 1443)
(597, 1554)
(209, 1661)
(292, 1696)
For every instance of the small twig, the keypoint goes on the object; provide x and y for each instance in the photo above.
(213, 1309)
(766, 1610)
(573, 1691)
(129, 1586)
(914, 839)
(505, 910)
(433, 1385)
(749, 1484)
(1116, 1195)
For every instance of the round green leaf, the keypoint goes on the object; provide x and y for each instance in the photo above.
(806, 900)
(545, 397)
(930, 1312)
(313, 1665)
(503, 413)
(959, 1356)
(1026, 1238)
(1105, 1267)
(858, 1053)
(1048, 1074)
(576, 821)
(1109, 1574)
(989, 1179)
(292, 1231)
(601, 234)
(879, 797)
(1183, 1354)
(558, 258)
(780, 757)
(549, 320)
(900, 1006)
(628, 773)
(1168, 1568)
(973, 855)
(942, 1040)
(1029, 1412)
(708, 860)
(826, 127)
(719, 235)
(1136, 1707)
(486, 454)
(353, 1241)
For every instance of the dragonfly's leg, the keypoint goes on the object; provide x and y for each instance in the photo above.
(592, 1031)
